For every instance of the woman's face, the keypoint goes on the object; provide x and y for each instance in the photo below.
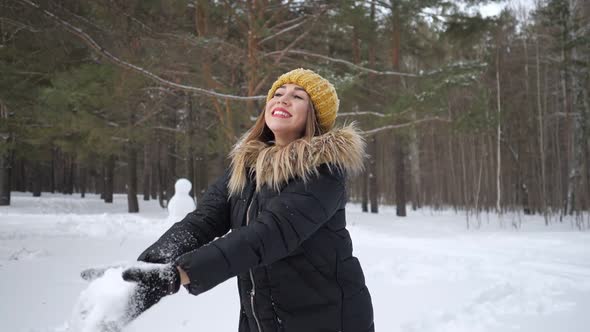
(286, 113)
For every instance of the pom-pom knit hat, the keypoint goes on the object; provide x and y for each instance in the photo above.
(322, 93)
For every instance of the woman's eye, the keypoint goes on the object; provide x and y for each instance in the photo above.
(278, 94)
(298, 97)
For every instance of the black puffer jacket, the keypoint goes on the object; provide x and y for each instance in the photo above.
(288, 243)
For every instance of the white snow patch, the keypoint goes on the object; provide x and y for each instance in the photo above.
(426, 272)
(26, 254)
(103, 305)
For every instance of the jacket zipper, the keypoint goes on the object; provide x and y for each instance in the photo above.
(253, 290)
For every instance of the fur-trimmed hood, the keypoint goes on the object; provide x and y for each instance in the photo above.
(273, 165)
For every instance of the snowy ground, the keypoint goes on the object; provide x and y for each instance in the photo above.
(426, 272)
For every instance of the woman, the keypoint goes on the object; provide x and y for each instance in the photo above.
(283, 199)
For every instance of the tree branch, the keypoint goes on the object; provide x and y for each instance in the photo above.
(411, 123)
(20, 25)
(348, 63)
(121, 63)
(169, 129)
(286, 49)
(381, 115)
(281, 24)
(285, 30)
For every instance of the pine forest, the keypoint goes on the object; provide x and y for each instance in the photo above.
(459, 110)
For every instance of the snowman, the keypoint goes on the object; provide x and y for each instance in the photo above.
(181, 203)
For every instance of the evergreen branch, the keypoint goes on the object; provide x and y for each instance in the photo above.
(89, 41)
(397, 126)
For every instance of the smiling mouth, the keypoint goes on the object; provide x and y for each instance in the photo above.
(281, 113)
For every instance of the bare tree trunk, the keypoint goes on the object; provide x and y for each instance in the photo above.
(109, 180)
(132, 203)
(154, 174)
(575, 136)
(5, 178)
(541, 121)
(203, 175)
(373, 186)
(415, 167)
(478, 186)
(465, 195)
(171, 176)
(52, 172)
(19, 174)
(83, 180)
(567, 132)
(498, 136)
(365, 191)
(400, 172)
(400, 196)
(160, 176)
(586, 144)
(190, 155)
(100, 180)
(452, 175)
(71, 175)
(524, 186)
(147, 167)
(365, 175)
(36, 178)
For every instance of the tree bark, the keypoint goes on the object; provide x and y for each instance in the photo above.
(498, 136)
(5, 178)
(83, 179)
(171, 175)
(109, 180)
(36, 178)
(373, 186)
(19, 175)
(365, 190)
(160, 175)
(190, 137)
(541, 124)
(147, 168)
(415, 167)
(52, 171)
(400, 173)
(132, 204)
(154, 176)
(400, 197)
(203, 175)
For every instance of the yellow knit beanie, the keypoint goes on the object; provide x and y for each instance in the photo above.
(322, 93)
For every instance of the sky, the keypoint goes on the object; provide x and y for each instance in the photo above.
(493, 9)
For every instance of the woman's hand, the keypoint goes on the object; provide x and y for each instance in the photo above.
(153, 283)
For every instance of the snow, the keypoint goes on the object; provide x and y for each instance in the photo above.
(426, 272)
(104, 303)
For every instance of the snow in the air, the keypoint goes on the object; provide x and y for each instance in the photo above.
(181, 202)
(426, 272)
(103, 304)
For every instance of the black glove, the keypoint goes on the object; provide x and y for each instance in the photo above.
(158, 253)
(175, 242)
(153, 283)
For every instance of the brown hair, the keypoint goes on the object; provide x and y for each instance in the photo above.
(261, 132)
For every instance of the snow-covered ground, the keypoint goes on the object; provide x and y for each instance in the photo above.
(426, 272)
